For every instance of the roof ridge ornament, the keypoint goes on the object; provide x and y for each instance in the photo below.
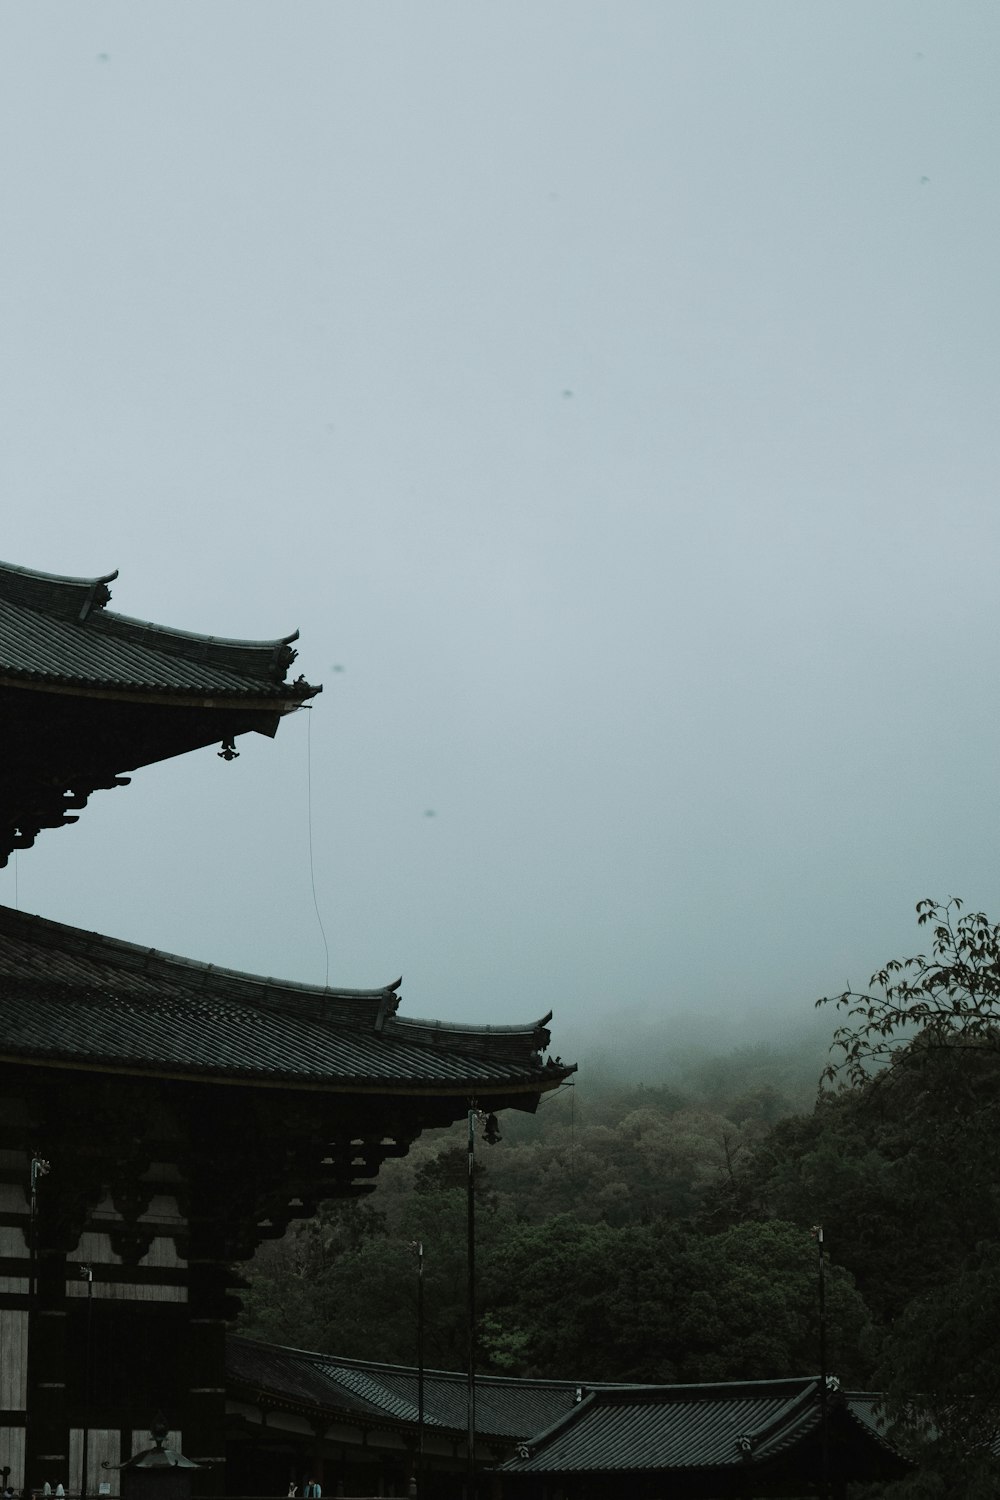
(388, 1005)
(91, 695)
(98, 596)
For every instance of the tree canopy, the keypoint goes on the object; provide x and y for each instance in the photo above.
(951, 996)
(660, 1230)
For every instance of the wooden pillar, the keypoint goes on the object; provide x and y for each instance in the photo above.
(319, 1431)
(47, 1446)
(204, 1418)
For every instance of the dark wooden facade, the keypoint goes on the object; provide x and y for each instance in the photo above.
(158, 1187)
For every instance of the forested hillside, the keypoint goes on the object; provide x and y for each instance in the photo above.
(662, 1230)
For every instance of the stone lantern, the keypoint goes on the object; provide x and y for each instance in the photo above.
(157, 1473)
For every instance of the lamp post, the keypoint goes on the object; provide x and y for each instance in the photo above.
(470, 1251)
(491, 1134)
(824, 1415)
(38, 1169)
(417, 1247)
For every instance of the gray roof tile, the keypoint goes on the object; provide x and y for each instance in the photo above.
(57, 631)
(505, 1407)
(567, 1428)
(67, 995)
(662, 1428)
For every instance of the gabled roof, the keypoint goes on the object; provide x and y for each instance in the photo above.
(664, 1429)
(84, 1001)
(506, 1407)
(56, 632)
(87, 695)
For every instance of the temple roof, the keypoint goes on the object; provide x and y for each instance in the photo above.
(506, 1407)
(563, 1428)
(76, 999)
(56, 632)
(663, 1429)
(87, 695)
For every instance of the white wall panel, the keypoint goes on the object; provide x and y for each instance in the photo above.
(102, 1447)
(13, 1359)
(12, 1454)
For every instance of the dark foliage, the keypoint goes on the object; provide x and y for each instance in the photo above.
(661, 1231)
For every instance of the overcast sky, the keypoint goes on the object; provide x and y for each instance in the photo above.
(608, 392)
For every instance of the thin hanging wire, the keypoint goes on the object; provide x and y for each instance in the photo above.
(312, 869)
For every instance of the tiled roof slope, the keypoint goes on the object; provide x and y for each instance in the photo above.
(96, 1002)
(57, 632)
(664, 1428)
(505, 1407)
(563, 1428)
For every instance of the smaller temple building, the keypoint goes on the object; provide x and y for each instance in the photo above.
(354, 1425)
(706, 1442)
(294, 1415)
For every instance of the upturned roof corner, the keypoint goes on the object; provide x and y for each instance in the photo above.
(95, 695)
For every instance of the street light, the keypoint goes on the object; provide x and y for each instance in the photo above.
(417, 1246)
(824, 1413)
(39, 1168)
(491, 1134)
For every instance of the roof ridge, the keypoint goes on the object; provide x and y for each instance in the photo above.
(795, 1385)
(489, 1040)
(469, 1028)
(518, 1381)
(86, 942)
(80, 603)
(588, 1389)
(775, 1428)
(199, 636)
(264, 991)
(588, 1398)
(43, 577)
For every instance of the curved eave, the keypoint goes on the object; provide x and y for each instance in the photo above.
(464, 1030)
(66, 616)
(81, 1001)
(132, 623)
(279, 699)
(240, 984)
(473, 1087)
(168, 633)
(36, 575)
(264, 661)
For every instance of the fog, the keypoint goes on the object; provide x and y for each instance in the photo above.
(608, 393)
